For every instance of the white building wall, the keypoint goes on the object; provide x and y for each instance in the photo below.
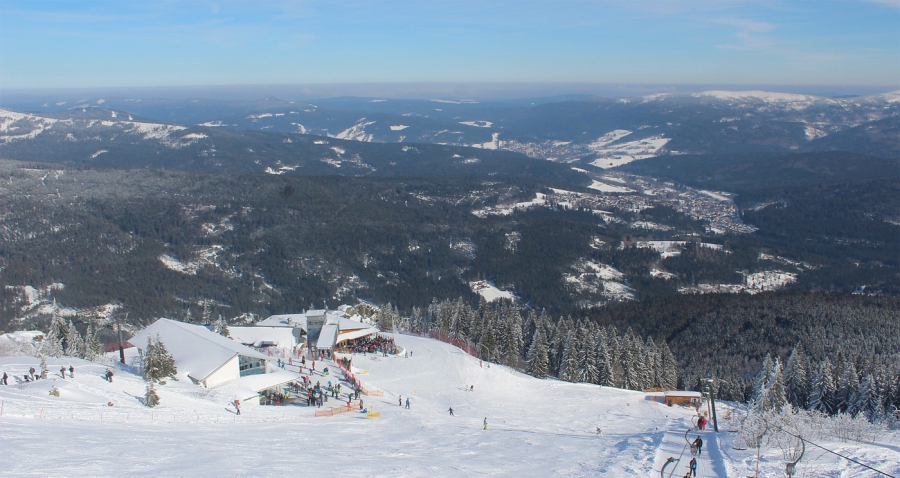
(229, 371)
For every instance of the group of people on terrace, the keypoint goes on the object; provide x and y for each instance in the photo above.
(371, 344)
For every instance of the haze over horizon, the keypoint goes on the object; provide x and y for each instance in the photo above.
(457, 49)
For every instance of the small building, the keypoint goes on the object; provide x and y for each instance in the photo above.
(212, 360)
(682, 397)
(318, 329)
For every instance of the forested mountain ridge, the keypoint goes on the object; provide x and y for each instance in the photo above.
(119, 141)
(586, 130)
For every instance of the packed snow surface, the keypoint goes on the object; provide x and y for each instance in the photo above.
(535, 427)
(489, 291)
(608, 188)
(617, 154)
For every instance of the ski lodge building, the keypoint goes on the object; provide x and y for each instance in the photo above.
(682, 397)
(214, 361)
(318, 329)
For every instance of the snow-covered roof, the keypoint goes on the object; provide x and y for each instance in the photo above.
(284, 320)
(282, 337)
(356, 333)
(327, 336)
(248, 386)
(682, 393)
(350, 324)
(197, 350)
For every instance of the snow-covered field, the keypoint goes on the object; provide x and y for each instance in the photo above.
(535, 428)
(489, 291)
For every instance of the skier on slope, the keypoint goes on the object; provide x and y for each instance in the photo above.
(451, 411)
(72, 371)
(485, 423)
(407, 402)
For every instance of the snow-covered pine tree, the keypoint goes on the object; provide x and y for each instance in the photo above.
(528, 329)
(222, 327)
(52, 344)
(165, 361)
(580, 347)
(822, 389)
(847, 387)
(796, 377)
(630, 379)
(513, 341)
(92, 347)
(777, 394)
(157, 362)
(207, 313)
(488, 344)
(651, 352)
(866, 399)
(44, 370)
(588, 361)
(762, 399)
(537, 360)
(614, 343)
(568, 367)
(669, 374)
(148, 361)
(559, 333)
(151, 399)
(74, 342)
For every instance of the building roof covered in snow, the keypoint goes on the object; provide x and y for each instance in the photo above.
(281, 337)
(284, 320)
(248, 387)
(197, 351)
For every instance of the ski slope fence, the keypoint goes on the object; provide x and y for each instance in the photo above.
(103, 413)
(334, 411)
(358, 384)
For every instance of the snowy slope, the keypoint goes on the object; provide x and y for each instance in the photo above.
(536, 428)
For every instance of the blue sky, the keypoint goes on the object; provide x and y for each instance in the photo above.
(87, 43)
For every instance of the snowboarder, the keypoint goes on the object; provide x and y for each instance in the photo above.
(72, 371)
(599, 432)
(485, 423)
(109, 375)
(237, 406)
(5, 378)
(407, 402)
(699, 444)
(693, 467)
(451, 411)
(471, 388)
(400, 399)
(62, 371)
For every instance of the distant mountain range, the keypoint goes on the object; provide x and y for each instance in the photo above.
(599, 131)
